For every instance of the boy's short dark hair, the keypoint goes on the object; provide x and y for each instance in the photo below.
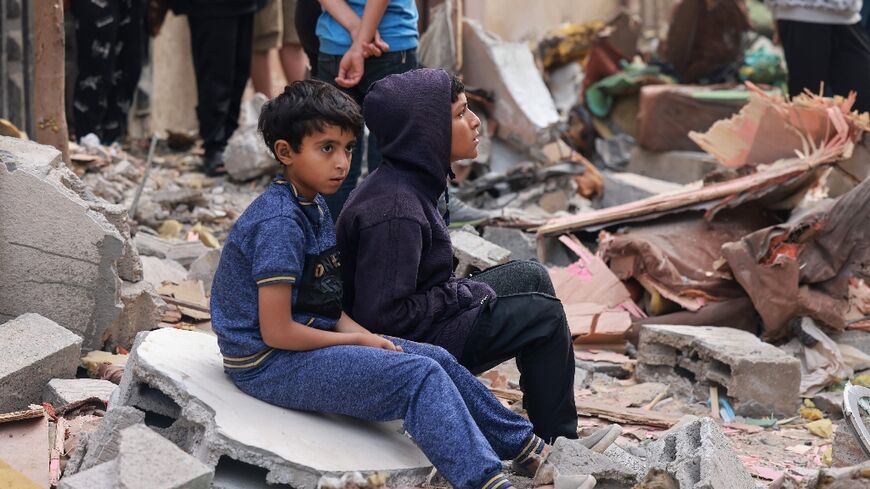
(456, 88)
(306, 107)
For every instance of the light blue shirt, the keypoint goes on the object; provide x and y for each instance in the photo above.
(398, 27)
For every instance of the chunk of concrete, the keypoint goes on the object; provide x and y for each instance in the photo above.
(522, 245)
(156, 271)
(103, 444)
(60, 392)
(474, 252)
(184, 252)
(524, 108)
(854, 337)
(296, 448)
(34, 351)
(103, 476)
(143, 309)
(846, 447)
(204, 268)
(613, 468)
(246, 155)
(146, 460)
(698, 455)
(854, 477)
(58, 251)
(759, 378)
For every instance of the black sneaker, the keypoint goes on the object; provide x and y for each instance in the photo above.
(213, 164)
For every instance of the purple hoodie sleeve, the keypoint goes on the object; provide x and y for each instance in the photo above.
(388, 301)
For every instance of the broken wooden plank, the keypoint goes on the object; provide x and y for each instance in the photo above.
(619, 414)
(31, 413)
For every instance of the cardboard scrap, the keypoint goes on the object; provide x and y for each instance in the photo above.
(188, 292)
(24, 450)
(12, 478)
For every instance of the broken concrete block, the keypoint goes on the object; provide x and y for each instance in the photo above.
(853, 337)
(524, 108)
(698, 455)
(672, 166)
(143, 309)
(474, 252)
(157, 271)
(146, 460)
(759, 378)
(204, 268)
(169, 368)
(60, 392)
(102, 445)
(184, 252)
(613, 468)
(58, 256)
(522, 245)
(129, 265)
(831, 403)
(34, 351)
(103, 476)
(246, 155)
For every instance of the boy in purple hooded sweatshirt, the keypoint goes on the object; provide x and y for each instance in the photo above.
(397, 259)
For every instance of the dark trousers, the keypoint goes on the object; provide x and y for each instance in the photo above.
(526, 321)
(838, 55)
(375, 69)
(110, 36)
(307, 13)
(221, 48)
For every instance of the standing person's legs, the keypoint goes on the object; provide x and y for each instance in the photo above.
(306, 15)
(267, 36)
(130, 49)
(807, 48)
(244, 38)
(380, 385)
(213, 45)
(850, 65)
(293, 59)
(532, 327)
(96, 34)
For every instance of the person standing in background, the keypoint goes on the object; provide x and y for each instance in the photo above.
(275, 27)
(362, 41)
(824, 41)
(221, 37)
(111, 37)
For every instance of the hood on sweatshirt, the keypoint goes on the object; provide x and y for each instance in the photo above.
(409, 115)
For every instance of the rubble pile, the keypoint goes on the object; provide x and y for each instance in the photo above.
(706, 235)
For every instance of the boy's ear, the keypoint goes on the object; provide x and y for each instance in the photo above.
(283, 152)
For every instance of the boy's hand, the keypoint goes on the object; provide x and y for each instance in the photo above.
(352, 67)
(375, 341)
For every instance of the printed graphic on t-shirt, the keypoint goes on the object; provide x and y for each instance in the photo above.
(320, 289)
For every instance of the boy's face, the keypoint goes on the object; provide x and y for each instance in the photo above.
(321, 163)
(466, 126)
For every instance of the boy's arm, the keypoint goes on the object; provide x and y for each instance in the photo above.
(348, 325)
(279, 330)
(372, 45)
(388, 257)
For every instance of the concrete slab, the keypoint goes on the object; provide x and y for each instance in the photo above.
(673, 166)
(246, 155)
(184, 252)
(218, 420)
(103, 476)
(759, 378)
(58, 250)
(697, 455)
(204, 268)
(60, 392)
(613, 468)
(524, 108)
(474, 252)
(33, 350)
(522, 245)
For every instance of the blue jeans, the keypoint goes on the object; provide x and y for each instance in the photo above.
(457, 423)
(375, 69)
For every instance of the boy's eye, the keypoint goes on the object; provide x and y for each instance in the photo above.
(349, 148)
(462, 114)
(327, 148)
